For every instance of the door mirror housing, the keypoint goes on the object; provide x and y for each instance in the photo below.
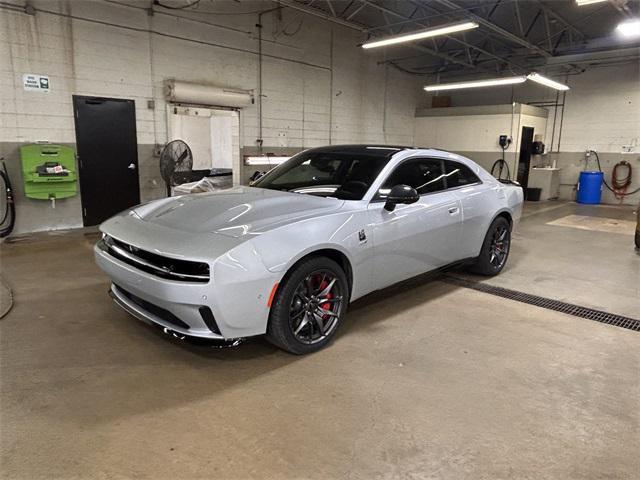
(401, 194)
(255, 176)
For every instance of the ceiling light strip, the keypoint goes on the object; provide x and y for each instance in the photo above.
(491, 82)
(542, 80)
(589, 2)
(629, 28)
(265, 160)
(411, 37)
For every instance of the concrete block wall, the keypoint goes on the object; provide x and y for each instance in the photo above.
(601, 112)
(318, 86)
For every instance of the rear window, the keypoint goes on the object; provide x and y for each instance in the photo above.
(458, 175)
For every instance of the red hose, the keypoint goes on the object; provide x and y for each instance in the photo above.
(620, 183)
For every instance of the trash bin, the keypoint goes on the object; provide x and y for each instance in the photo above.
(533, 194)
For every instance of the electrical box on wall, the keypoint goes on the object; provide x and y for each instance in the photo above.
(48, 171)
(504, 141)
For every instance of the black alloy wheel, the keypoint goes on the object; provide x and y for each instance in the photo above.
(495, 249)
(308, 306)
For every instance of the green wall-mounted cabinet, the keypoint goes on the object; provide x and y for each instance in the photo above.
(49, 171)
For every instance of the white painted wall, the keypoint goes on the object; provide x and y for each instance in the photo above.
(370, 102)
(318, 86)
(476, 135)
(602, 111)
(468, 133)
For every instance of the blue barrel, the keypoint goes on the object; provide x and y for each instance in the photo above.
(590, 187)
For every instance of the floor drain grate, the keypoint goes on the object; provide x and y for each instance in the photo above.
(548, 303)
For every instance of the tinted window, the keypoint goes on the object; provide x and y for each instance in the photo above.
(345, 173)
(458, 175)
(425, 175)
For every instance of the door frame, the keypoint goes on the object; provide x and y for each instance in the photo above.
(237, 161)
(78, 98)
(525, 176)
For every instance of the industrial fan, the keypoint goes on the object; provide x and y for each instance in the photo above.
(176, 163)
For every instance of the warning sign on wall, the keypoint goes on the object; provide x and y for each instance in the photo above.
(35, 82)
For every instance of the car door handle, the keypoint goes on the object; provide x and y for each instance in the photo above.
(453, 210)
(132, 166)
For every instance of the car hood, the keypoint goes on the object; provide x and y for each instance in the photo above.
(235, 212)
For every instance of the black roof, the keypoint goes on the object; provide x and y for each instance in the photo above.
(363, 149)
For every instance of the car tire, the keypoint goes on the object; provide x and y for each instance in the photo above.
(308, 279)
(495, 249)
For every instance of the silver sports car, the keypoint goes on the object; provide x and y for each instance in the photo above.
(286, 256)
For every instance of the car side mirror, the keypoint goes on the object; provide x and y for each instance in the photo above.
(403, 194)
(255, 176)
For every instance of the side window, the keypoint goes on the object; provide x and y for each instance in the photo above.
(458, 175)
(423, 174)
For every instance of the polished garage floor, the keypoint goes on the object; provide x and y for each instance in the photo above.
(426, 380)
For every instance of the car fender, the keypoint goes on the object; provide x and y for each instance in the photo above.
(345, 232)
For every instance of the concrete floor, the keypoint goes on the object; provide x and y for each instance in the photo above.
(426, 380)
(591, 268)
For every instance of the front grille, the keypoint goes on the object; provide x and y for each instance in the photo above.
(159, 312)
(164, 267)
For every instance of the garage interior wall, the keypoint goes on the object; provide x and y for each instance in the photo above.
(318, 87)
(213, 135)
(601, 112)
(473, 131)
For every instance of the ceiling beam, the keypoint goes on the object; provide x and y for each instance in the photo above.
(355, 12)
(320, 14)
(622, 54)
(345, 23)
(497, 29)
(421, 24)
(568, 26)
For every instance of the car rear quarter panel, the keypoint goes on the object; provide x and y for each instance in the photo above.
(480, 206)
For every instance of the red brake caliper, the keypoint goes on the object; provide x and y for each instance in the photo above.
(326, 305)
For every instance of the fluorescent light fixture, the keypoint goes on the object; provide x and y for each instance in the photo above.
(491, 82)
(265, 160)
(536, 77)
(629, 28)
(410, 37)
(589, 2)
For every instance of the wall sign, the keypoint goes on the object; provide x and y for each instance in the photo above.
(33, 82)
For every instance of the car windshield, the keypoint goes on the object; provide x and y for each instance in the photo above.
(344, 173)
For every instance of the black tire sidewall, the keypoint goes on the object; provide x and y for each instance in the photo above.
(279, 330)
(483, 264)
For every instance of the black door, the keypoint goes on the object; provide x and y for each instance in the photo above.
(107, 156)
(526, 145)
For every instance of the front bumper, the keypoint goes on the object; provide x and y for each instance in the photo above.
(178, 306)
